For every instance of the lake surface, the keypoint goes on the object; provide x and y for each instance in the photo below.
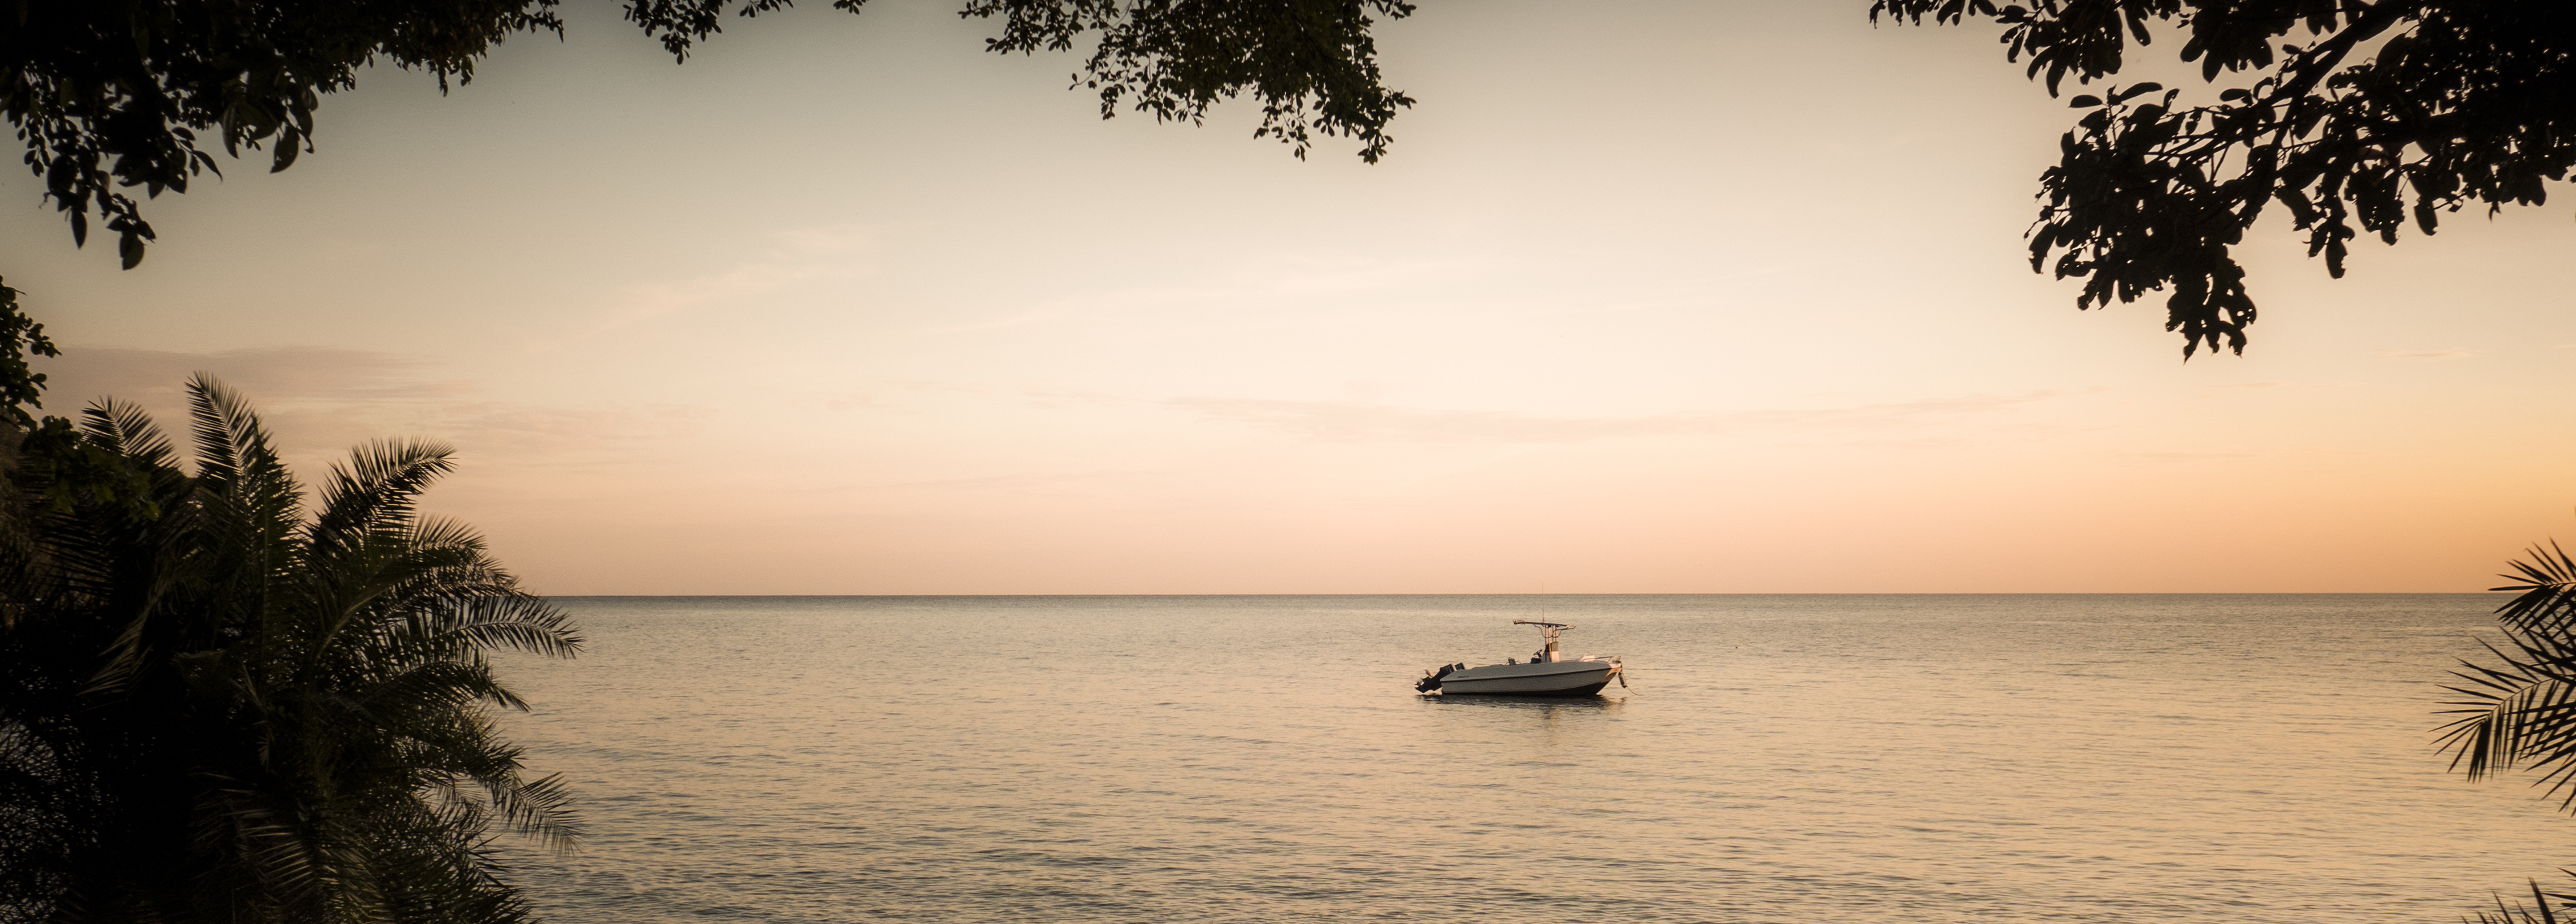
(1145, 759)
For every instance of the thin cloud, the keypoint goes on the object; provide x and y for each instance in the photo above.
(536, 430)
(1262, 279)
(2273, 384)
(321, 400)
(274, 374)
(796, 257)
(1883, 415)
(2176, 456)
(1019, 482)
(1352, 421)
(1356, 421)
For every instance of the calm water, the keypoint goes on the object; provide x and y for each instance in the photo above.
(1147, 759)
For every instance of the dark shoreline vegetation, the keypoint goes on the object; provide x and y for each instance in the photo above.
(222, 706)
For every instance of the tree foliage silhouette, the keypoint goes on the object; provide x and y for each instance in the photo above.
(222, 707)
(114, 96)
(2375, 114)
(121, 95)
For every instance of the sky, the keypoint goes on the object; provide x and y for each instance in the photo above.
(1647, 297)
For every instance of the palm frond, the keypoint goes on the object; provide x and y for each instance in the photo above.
(236, 460)
(425, 691)
(2522, 712)
(2517, 913)
(375, 490)
(312, 693)
(2547, 580)
(441, 534)
(222, 422)
(128, 429)
(516, 622)
(2519, 714)
(541, 808)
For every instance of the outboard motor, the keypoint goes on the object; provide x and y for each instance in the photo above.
(1431, 681)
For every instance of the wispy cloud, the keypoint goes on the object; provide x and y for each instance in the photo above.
(1252, 280)
(271, 374)
(539, 431)
(2180, 456)
(795, 257)
(320, 400)
(2278, 384)
(1363, 421)
(2452, 353)
(1340, 421)
(1020, 482)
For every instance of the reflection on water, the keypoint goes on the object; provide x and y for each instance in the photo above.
(1944, 758)
(1544, 705)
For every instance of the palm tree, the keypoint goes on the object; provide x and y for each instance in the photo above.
(2522, 712)
(252, 713)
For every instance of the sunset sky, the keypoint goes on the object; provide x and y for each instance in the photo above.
(1648, 297)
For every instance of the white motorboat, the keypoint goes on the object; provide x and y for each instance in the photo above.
(1548, 672)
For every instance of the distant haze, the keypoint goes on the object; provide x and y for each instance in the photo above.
(1647, 297)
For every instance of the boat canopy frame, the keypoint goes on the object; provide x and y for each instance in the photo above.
(1548, 629)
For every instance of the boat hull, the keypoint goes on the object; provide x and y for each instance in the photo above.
(1563, 678)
